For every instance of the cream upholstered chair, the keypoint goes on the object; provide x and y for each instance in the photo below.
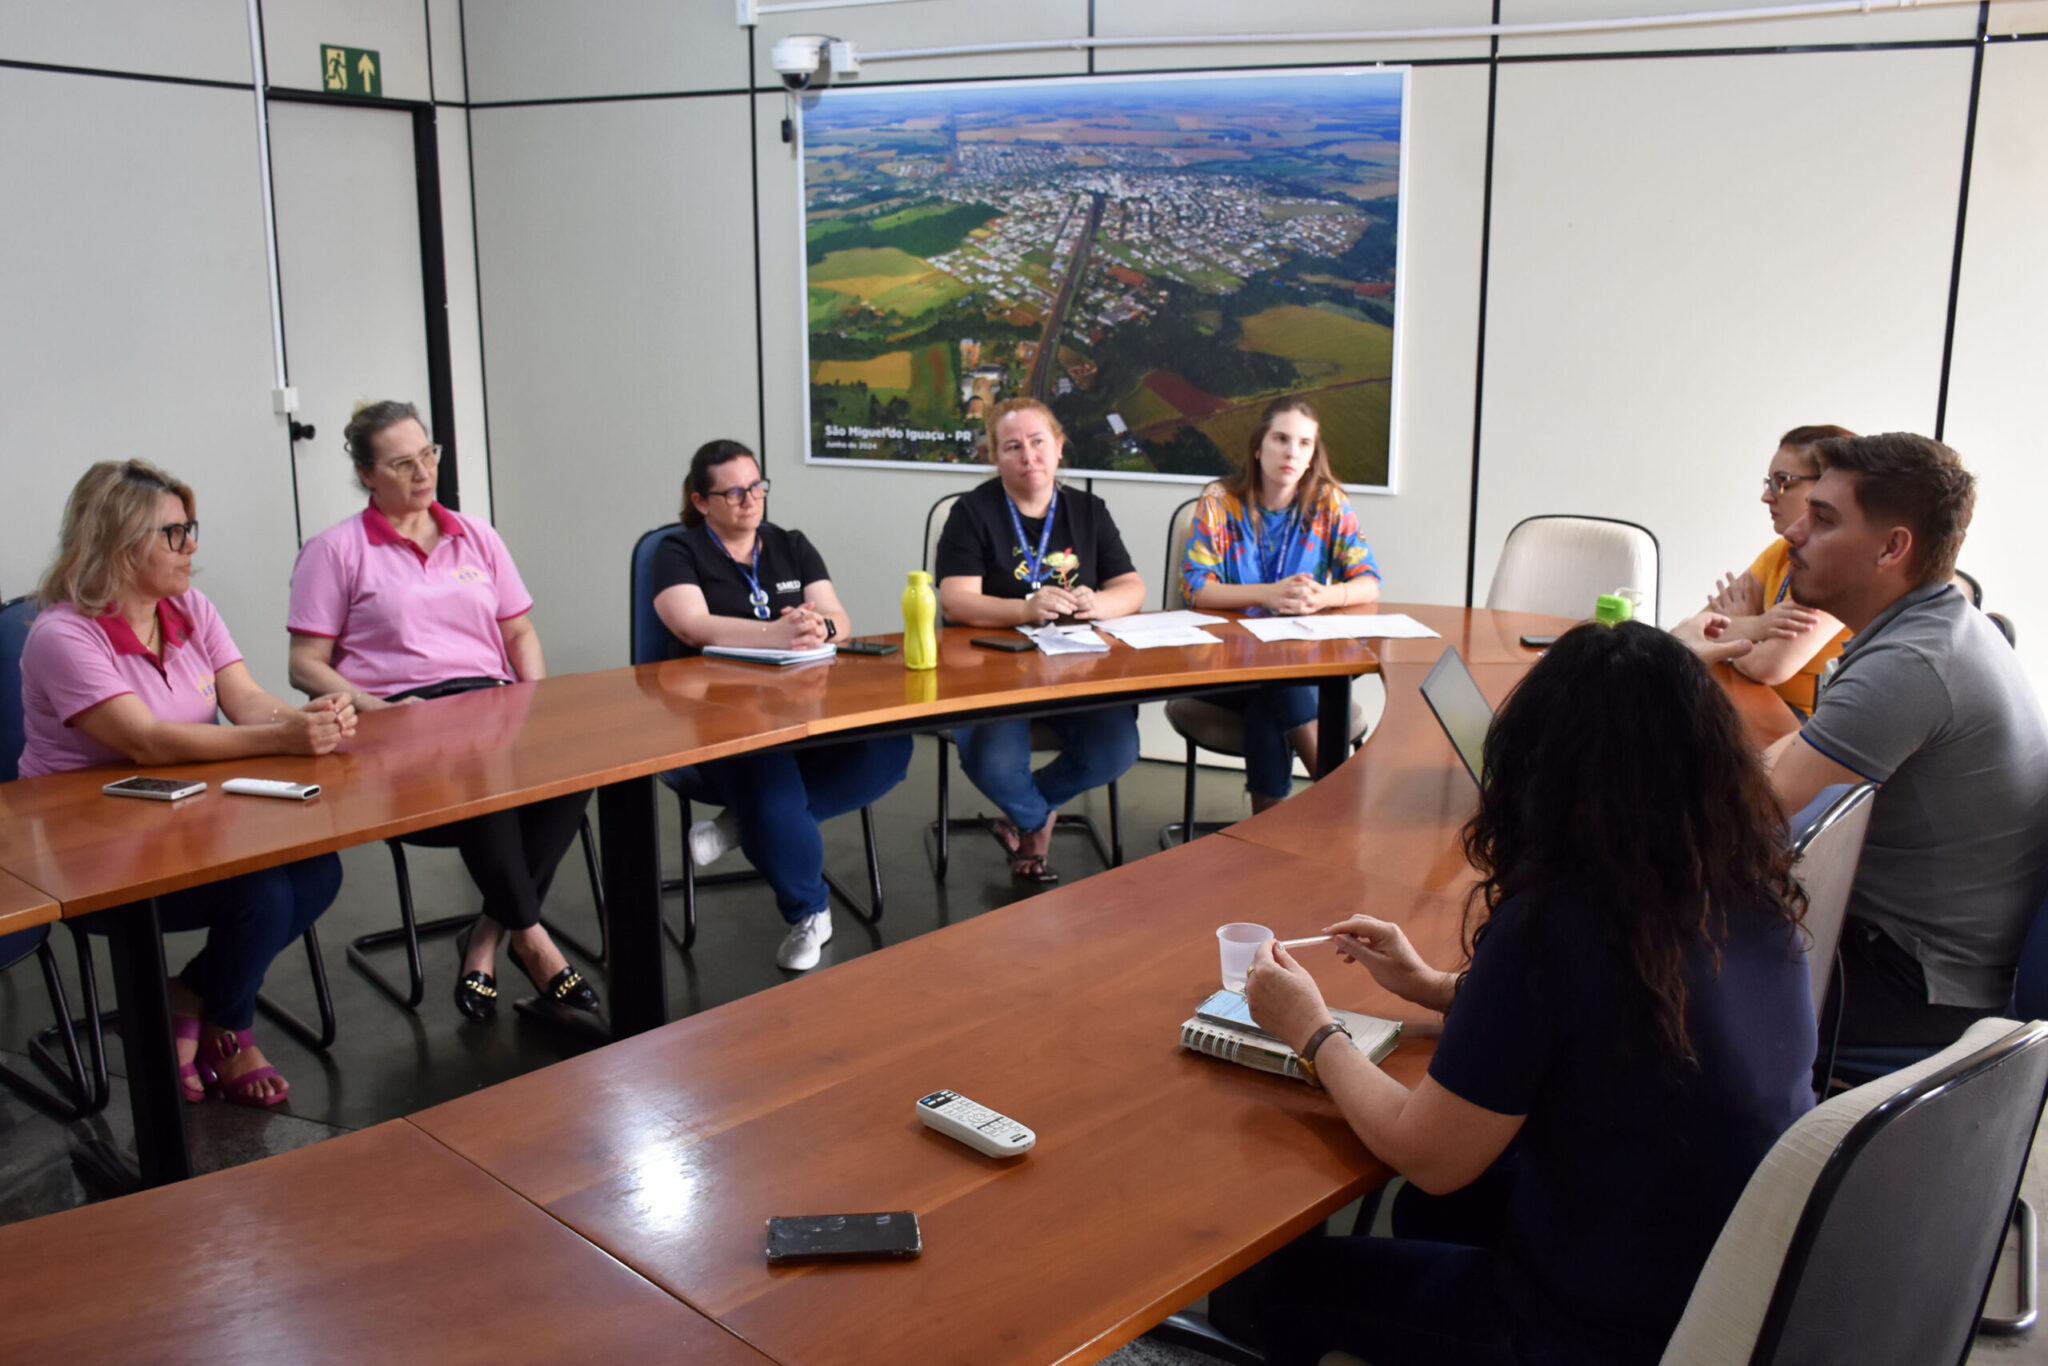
(1825, 853)
(1111, 850)
(1560, 564)
(1201, 723)
(1870, 1230)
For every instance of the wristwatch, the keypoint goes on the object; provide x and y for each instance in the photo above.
(831, 629)
(1315, 1044)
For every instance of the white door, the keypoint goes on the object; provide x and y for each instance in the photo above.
(348, 256)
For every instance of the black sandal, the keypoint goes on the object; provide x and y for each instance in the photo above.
(1028, 869)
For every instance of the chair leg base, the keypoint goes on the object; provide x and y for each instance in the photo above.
(1197, 1333)
(416, 989)
(105, 1168)
(1173, 832)
(319, 1040)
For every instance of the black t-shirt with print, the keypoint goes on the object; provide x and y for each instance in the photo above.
(1084, 551)
(692, 555)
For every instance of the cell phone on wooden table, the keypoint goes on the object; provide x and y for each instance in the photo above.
(892, 1236)
(1538, 642)
(1009, 645)
(155, 789)
(866, 647)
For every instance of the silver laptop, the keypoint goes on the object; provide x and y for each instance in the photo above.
(1461, 709)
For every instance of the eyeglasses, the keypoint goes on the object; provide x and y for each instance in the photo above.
(1780, 481)
(407, 466)
(178, 535)
(737, 497)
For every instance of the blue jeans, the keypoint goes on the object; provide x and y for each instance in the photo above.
(780, 797)
(1095, 748)
(1269, 714)
(249, 920)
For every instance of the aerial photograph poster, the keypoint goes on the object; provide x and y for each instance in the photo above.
(1156, 258)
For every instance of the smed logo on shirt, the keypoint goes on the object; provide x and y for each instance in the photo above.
(206, 687)
(469, 573)
(790, 586)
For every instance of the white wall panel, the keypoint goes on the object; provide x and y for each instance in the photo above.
(565, 49)
(465, 326)
(1883, 26)
(138, 325)
(203, 39)
(618, 303)
(1171, 18)
(295, 30)
(938, 23)
(2018, 16)
(444, 30)
(1692, 255)
(1998, 385)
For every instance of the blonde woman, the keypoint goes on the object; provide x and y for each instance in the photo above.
(129, 663)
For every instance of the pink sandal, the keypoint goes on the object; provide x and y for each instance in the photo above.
(185, 1027)
(239, 1090)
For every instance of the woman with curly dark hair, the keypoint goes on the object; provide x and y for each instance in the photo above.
(1632, 1033)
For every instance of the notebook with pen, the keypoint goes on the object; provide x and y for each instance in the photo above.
(1222, 1027)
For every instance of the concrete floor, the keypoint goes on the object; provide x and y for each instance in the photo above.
(388, 1062)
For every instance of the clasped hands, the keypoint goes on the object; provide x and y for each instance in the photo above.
(1301, 595)
(1288, 1004)
(1052, 601)
(806, 625)
(320, 725)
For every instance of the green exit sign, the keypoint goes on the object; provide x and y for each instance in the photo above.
(350, 70)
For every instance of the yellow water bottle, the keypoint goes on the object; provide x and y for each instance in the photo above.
(920, 623)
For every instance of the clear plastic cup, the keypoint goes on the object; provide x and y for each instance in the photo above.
(1237, 942)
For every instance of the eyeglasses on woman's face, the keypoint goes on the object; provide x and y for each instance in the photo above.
(406, 466)
(739, 497)
(1778, 481)
(178, 535)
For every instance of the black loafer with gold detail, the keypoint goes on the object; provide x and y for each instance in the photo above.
(566, 988)
(476, 995)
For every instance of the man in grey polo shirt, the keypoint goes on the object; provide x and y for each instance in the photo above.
(1928, 700)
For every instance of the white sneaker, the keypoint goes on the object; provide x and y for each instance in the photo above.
(710, 839)
(799, 951)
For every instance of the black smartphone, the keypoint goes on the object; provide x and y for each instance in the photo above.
(841, 1237)
(866, 647)
(1009, 645)
(156, 789)
(1538, 642)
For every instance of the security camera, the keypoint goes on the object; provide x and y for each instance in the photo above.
(797, 59)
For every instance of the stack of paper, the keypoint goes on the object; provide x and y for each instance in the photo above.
(1064, 640)
(762, 656)
(1385, 626)
(1159, 630)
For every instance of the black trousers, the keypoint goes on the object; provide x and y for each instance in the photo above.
(1880, 997)
(512, 855)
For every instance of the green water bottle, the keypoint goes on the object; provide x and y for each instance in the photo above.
(920, 623)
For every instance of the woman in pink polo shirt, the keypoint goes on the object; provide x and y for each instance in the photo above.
(128, 661)
(408, 600)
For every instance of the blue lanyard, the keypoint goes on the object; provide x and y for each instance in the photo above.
(758, 597)
(1034, 565)
(1272, 554)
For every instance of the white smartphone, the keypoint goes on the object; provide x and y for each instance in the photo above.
(155, 789)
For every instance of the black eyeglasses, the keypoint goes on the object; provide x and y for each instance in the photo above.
(739, 496)
(180, 534)
(1780, 481)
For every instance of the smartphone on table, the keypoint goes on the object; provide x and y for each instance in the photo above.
(155, 789)
(844, 1237)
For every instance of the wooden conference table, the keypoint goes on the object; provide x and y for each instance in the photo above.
(420, 766)
(1157, 1173)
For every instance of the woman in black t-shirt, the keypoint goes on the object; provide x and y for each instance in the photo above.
(730, 577)
(1633, 1033)
(1018, 550)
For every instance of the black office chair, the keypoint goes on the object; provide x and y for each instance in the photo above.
(1884, 1210)
(1043, 737)
(649, 642)
(80, 1095)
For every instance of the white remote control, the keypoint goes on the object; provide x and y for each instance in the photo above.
(272, 787)
(979, 1127)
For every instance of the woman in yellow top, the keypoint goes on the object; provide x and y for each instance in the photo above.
(1794, 644)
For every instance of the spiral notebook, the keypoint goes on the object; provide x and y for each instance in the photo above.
(1222, 1027)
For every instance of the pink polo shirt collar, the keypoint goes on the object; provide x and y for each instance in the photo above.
(176, 627)
(377, 528)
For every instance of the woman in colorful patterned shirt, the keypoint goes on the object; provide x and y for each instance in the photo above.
(1279, 538)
